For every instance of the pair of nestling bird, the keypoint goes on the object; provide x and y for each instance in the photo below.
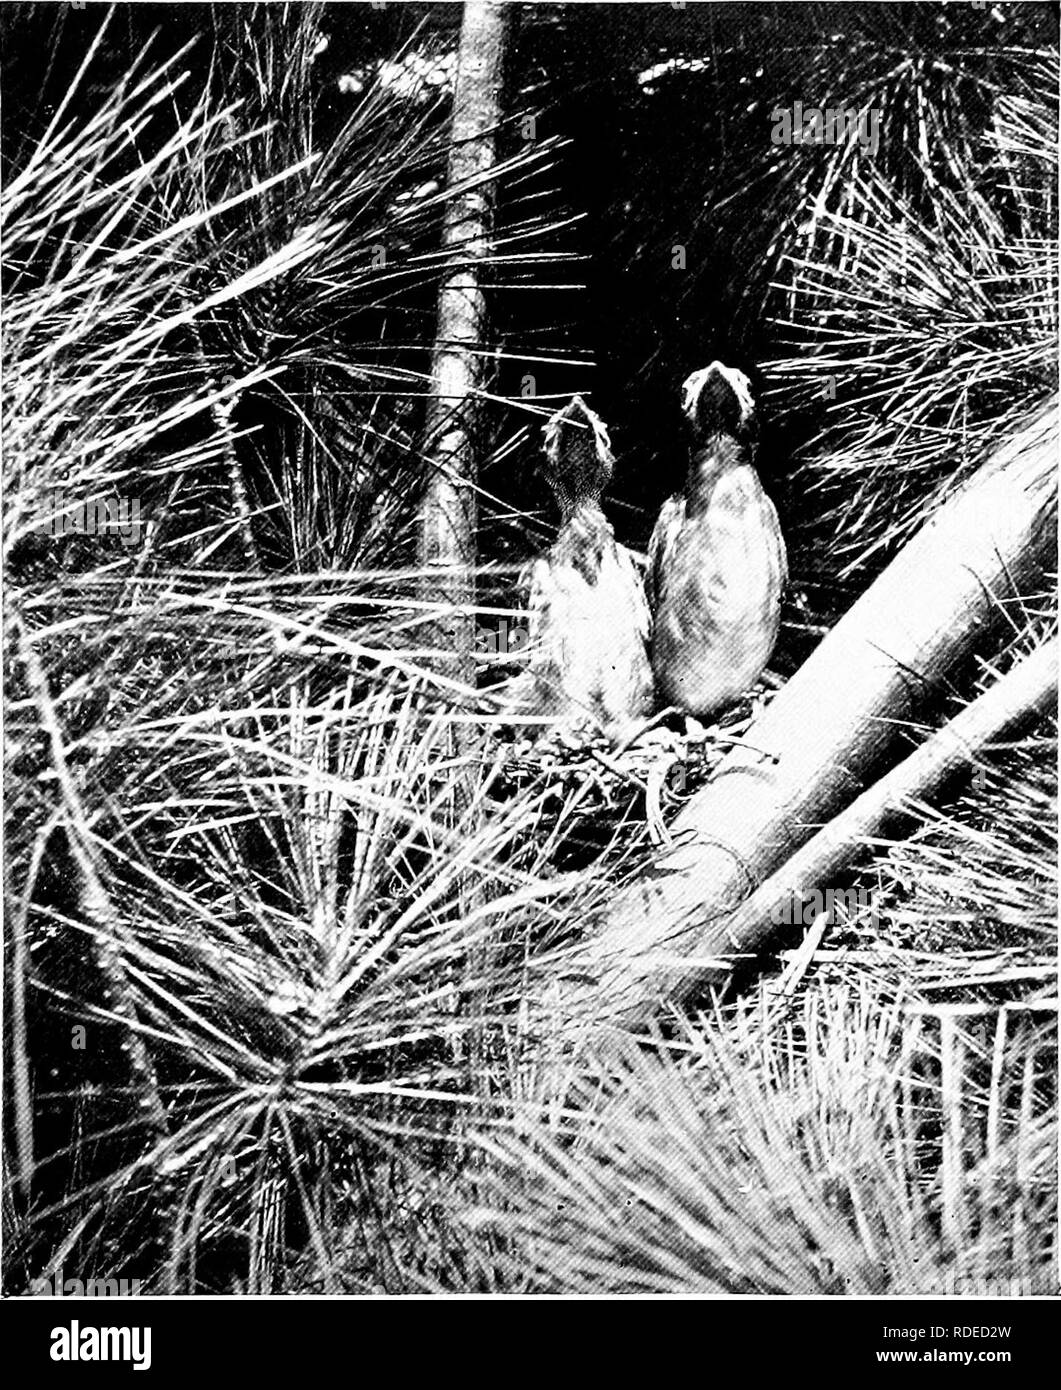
(607, 650)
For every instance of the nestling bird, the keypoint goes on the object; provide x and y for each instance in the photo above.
(716, 562)
(588, 618)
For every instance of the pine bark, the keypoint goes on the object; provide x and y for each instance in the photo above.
(447, 551)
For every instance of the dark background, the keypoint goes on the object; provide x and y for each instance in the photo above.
(646, 167)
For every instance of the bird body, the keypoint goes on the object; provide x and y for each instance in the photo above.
(717, 563)
(588, 618)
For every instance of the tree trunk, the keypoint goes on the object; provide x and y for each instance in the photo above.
(447, 540)
(1025, 694)
(827, 732)
(448, 514)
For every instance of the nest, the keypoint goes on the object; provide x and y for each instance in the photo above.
(587, 782)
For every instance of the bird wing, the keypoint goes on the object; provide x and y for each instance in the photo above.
(535, 582)
(668, 523)
(550, 624)
(782, 549)
(529, 693)
(635, 584)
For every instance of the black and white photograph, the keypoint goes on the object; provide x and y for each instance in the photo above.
(530, 633)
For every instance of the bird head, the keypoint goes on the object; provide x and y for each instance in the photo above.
(578, 455)
(717, 400)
